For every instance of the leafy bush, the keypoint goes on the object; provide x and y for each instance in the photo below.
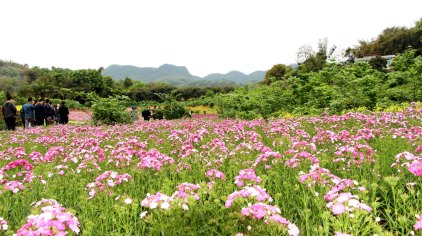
(111, 111)
(176, 111)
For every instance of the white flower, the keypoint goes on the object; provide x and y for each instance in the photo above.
(316, 194)
(165, 205)
(249, 228)
(153, 205)
(128, 201)
(353, 203)
(293, 230)
(110, 182)
(143, 214)
(185, 207)
(377, 219)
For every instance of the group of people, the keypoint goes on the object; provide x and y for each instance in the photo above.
(35, 113)
(152, 114)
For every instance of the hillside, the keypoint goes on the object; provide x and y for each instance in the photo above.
(180, 76)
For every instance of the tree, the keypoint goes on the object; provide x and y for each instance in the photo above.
(127, 82)
(378, 63)
(276, 73)
(313, 61)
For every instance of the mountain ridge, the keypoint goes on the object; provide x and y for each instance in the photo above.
(180, 75)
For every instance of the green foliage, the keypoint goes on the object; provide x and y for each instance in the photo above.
(314, 61)
(392, 40)
(276, 73)
(378, 63)
(172, 108)
(111, 111)
(333, 90)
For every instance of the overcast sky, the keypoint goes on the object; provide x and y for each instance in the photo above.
(206, 36)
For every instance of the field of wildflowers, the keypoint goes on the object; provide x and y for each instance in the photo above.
(354, 174)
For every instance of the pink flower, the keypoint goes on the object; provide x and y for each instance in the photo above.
(416, 168)
(246, 174)
(215, 174)
(418, 225)
(338, 209)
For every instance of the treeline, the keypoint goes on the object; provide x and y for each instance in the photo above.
(81, 85)
(320, 84)
(333, 89)
(391, 41)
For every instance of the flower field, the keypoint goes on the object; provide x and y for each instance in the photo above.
(355, 174)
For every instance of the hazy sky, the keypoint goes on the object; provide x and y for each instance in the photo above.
(206, 36)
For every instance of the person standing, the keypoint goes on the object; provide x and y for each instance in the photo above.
(9, 113)
(63, 113)
(29, 111)
(49, 113)
(56, 113)
(146, 113)
(40, 112)
(22, 115)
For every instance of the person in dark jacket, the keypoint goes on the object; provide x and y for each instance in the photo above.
(49, 112)
(39, 113)
(9, 113)
(63, 113)
(146, 113)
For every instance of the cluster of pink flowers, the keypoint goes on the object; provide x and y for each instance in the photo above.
(269, 214)
(246, 175)
(78, 115)
(186, 190)
(213, 173)
(157, 200)
(15, 174)
(411, 161)
(346, 202)
(60, 170)
(355, 154)
(179, 197)
(18, 152)
(318, 175)
(153, 159)
(256, 192)
(265, 156)
(298, 157)
(341, 185)
(52, 219)
(3, 224)
(55, 153)
(124, 151)
(325, 135)
(106, 181)
(24, 164)
(418, 225)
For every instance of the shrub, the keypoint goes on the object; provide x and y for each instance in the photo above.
(111, 111)
(176, 111)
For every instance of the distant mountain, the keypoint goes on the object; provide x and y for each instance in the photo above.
(180, 76)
